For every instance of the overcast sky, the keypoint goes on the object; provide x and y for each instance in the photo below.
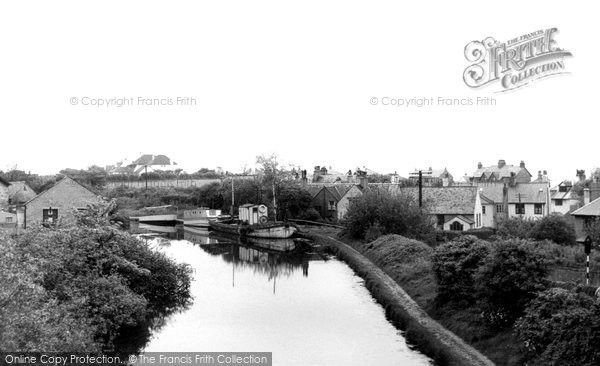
(292, 78)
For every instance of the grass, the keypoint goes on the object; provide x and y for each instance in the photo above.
(408, 262)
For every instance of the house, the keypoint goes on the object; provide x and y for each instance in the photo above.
(8, 220)
(4, 195)
(503, 173)
(563, 198)
(20, 192)
(344, 202)
(59, 203)
(585, 216)
(328, 176)
(501, 200)
(432, 177)
(325, 198)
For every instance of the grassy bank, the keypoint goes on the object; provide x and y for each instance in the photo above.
(408, 263)
(420, 329)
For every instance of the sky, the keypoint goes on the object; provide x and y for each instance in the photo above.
(292, 78)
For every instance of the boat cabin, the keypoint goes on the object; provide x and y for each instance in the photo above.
(253, 214)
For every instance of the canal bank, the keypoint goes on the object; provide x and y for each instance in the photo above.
(306, 308)
(431, 337)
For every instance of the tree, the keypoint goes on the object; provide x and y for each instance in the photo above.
(390, 214)
(508, 278)
(455, 265)
(515, 227)
(560, 327)
(556, 228)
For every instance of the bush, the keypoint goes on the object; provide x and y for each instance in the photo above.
(391, 214)
(556, 228)
(561, 327)
(455, 265)
(77, 287)
(508, 278)
(515, 227)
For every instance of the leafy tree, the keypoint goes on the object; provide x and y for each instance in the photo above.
(79, 286)
(556, 228)
(508, 279)
(561, 327)
(455, 265)
(391, 214)
(515, 227)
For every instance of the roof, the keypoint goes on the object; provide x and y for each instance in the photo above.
(144, 159)
(591, 209)
(520, 193)
(443, 200)
(462, 218)
(160, 160)
(20, 192)
(55, 184)
(4, 181)
(437, 173)
(337, 190)
(504, 172)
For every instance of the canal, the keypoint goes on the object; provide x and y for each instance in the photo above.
(307, 309)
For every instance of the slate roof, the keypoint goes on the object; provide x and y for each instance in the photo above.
(591, 209)
(160, 160)
(144, 160)
(527, 192)
(337, 190)
(443, 201)
(436, 173)
(504, 172)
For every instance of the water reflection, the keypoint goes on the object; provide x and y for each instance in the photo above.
(249, 297)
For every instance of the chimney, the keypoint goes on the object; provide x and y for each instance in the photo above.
(586, 196)
(479, 165)
(501, 163)
(304, 177)
(581, 175)
(522, 165)
(363, 180)
(539, 174)
(323, 170)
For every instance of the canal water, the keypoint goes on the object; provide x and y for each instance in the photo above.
(307, 309)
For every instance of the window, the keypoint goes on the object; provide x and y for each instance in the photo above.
(456, 226)
(520, 208)
(537, 209)
(9, 219)
(50, 216)
(558, 202)
(499, 208)
(483, 210)
(563, 188)
(332, 205)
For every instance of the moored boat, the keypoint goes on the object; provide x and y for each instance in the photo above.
(199, 217)
(253, 222)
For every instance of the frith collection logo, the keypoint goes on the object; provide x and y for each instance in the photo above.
(514, 63)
